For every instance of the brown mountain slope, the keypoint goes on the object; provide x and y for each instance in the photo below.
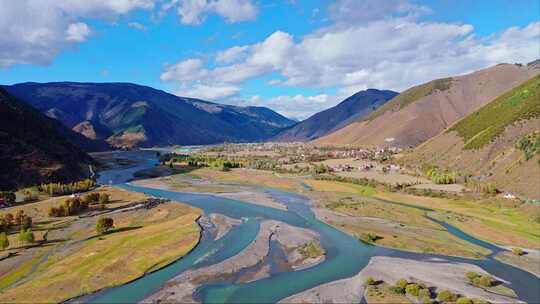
(499, 144)
(424, 111)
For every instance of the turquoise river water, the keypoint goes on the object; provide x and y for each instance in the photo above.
(346, 256)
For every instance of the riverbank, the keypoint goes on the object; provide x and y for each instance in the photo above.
(75, 261)
(181, 183)
(290, 238)
(440, 275)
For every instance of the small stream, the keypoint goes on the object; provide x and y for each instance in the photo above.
(345, 255)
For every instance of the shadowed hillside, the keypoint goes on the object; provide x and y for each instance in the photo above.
(34, 148)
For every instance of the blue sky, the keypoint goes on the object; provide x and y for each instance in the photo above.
(297, 57)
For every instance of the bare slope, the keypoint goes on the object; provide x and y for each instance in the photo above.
(498, 144)
(422, 112)
(349, 110)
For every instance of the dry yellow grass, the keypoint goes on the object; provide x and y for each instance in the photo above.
(150, 239)
(489, 219)
(250, 176)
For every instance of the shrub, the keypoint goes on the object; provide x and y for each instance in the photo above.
(369, 237)
(91, 198)
(397, 290)
(103, 198)
(71, 206)
(104, 224)
(22, 220)
(9, 219)
(26, 236)
(517, 251)
(412, 289)
(370, 281)
(483, 281)
(402, 283)
(479, 280)
(471, 275)
(425, 295)
(446, 296)
(4, 242)
(464, 300)
(479, 301)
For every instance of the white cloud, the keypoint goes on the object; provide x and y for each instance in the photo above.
(214, 93)
(393, 53)
(35, 31)
(232, 54)
(138, 26)
(296, 107)
(194, 12)
(187, 70)
(78, 32)
(356, 12)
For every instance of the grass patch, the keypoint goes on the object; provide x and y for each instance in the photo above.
(168, 232)
(311, 250)
(486, 124)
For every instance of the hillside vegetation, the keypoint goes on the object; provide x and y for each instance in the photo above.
(484, 125)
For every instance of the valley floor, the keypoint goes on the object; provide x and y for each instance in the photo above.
(395, 219)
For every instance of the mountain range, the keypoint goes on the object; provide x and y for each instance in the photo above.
(349, 110)
(423, 111)
(129, 115)
(35, 148)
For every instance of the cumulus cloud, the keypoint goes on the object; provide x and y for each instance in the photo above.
(392, 53)
(35, 31)
(194, 12)
(214, 93)
(138, 26)
(355, 12)
(296, 107)
(78, 32)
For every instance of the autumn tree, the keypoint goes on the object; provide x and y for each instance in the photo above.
(104, 224)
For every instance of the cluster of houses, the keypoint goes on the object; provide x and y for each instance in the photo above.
(366, 167)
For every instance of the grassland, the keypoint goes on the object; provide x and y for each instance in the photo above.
(500, 221)
(253, 177)
(75, 261)
(411, 95)
(484, 125)
(386, 224)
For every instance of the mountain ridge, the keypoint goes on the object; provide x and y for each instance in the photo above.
(424, 111)
(353, 107)
(127, 114)
(36, 147)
